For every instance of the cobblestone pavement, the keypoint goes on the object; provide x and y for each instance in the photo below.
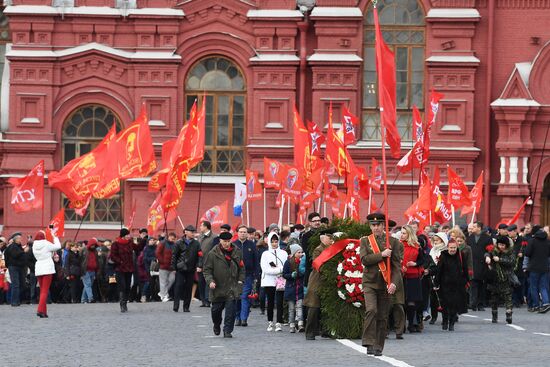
(151, 334)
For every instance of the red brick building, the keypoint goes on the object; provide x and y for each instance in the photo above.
(72, 67)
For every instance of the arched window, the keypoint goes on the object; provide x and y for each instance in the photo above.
(221, 81)
(403, 29)
(83, 130)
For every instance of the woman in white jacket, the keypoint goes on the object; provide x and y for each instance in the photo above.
(43, 251)
(272, 262)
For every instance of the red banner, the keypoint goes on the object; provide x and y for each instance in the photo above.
(476, 195)
(316, 137)
(28, 191)
(253, 186)
(350, 123)
(274, 174)
(157, 216)
(58, 223)
(217, 215)
(458, 194)
(292, 184)
(385, 67)
(376, 175)
(332, 251)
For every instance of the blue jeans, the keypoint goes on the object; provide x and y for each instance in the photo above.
(245, 301)
(539, 284)
(87, 292)
(17, 276)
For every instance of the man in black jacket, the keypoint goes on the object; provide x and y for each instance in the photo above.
(16, 261)
(186, 259)
(478, 241)
(314, 220)
(250, 259)
(538, 252)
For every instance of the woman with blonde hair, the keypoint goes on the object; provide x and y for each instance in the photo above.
(412, 268)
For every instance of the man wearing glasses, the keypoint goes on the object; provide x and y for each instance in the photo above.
(314, 220)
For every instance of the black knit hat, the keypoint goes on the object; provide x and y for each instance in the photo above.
(124, 232)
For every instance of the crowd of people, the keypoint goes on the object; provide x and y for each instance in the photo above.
(431, 272)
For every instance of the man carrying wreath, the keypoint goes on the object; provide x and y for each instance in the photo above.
(381, 278)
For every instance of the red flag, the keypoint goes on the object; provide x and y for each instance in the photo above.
(79, 208)
(516, 216)
(193, 144)
(441, 210)
(336, 152)
(418, 127)
(132, 216)
(353, 208)
(458, 194)
(316, 138)
(157, 215)
(314, 183)
(385, 67)
(432, 114)
(302, 151)
(338, 205)
(373, 207)
(253, 186)
(273, 174)
(424, 202)
(350, 123)
(130, 155)
(292, 184)
(376, 175)
(413, 214)
(28, 191)
(79, 179)
(476, 195)
(58, 223)
(217, 215)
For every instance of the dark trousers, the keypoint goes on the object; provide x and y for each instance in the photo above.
(203, 289)
(74, 289)
(229, 320)
(274, 296)
(182, 289)
(313, 322)
(17, 287)
(377, 303)
(398, 313)
(477, 293)
(123, 281)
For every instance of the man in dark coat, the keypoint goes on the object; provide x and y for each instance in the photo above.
(224, 273)
(314, 220)
(538, 252)
(377, 290)
(478, 241)
(16, 261)
(186, 259)
(250, 259)
(206, 239)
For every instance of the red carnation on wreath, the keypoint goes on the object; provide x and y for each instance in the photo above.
(350, 275)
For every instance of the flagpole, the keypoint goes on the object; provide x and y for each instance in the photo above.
(199, 201)
(453, 213)
(319, 204)
(265, 213)
(122, 197)
(473, 215)
(181, 223)
(78, 229)
(370, 199)
(247, 214)
(288, 210)
(324, 208)
(281, 211)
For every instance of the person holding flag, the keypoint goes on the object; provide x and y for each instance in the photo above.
(381, 278)
(44, 267)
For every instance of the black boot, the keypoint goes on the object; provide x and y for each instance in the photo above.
(495, 316)
(451, 326)
(122, 302)
(122, 306)
(509, 317)
(445, 323)
(434, 319)
(125, 306)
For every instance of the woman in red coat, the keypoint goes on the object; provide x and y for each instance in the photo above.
(413, 258)
(122, 256)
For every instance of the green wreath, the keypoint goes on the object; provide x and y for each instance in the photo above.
(339, 318)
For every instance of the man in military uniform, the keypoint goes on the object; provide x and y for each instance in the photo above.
(381, 278)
